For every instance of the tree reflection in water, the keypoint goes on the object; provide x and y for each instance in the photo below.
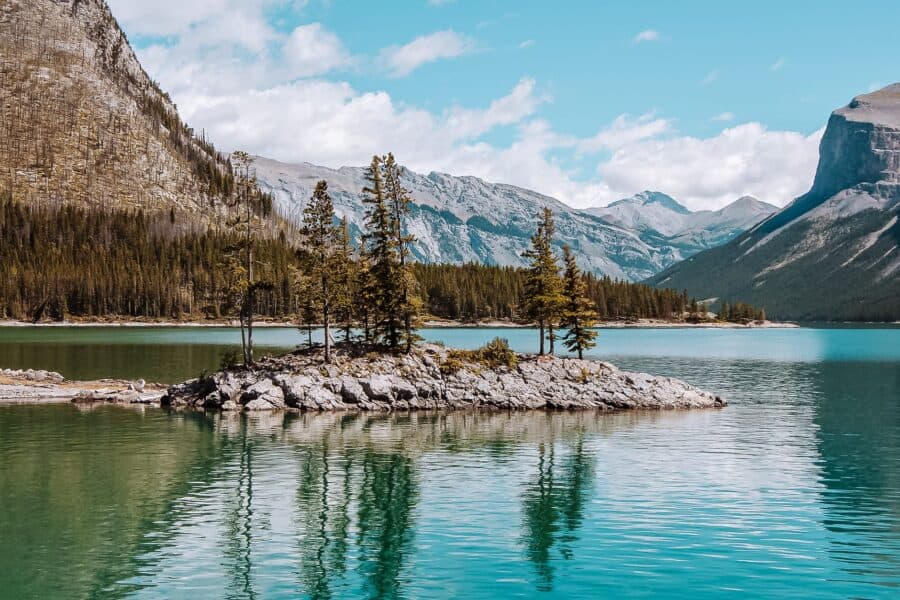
(239, 524)
(386, 498)
(324, 519)
(553, 506)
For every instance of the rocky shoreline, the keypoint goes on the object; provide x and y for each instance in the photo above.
(46, 387)
(432, 378)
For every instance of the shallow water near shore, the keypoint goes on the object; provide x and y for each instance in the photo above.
(792, 490)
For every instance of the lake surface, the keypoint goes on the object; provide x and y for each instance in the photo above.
(173, 354)
(791, 491)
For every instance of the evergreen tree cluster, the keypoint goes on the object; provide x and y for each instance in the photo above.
(389, 282)
(93, 263)
(740, 313)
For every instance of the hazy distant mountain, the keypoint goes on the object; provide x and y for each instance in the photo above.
(460, 219)
(654, 214)
(833, 252)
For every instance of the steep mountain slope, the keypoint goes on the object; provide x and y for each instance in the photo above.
(654, 214)
(833, 252)
(81, 122)
(460, 219)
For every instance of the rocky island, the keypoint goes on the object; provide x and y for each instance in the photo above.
(433, 377)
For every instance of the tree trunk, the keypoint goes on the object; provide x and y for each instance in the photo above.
(249, 295)
(407, 323)
(243, 335)
(541, 326)
(552, 337)
(327, 331)
(250, 330)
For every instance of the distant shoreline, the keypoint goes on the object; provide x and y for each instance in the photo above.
(426, 324)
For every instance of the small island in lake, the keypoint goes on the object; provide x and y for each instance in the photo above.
(432, 377)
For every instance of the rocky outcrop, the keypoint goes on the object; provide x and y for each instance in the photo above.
(430, 379)
(32, 375)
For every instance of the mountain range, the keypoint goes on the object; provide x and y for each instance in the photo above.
(831, 254)
(466, 219)
(82, 123)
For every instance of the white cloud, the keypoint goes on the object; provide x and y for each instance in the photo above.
(624, 131)
(526, 44)
(312, 50)
(775, 166)
(403, 60)
(648, 35)
(710, 77)
(723, 117)
(777, 65)
(254, 88)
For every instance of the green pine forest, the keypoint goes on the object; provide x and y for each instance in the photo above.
(70, 262)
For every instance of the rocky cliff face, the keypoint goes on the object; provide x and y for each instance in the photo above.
(833, 252)
(82, 122)
(462, 219)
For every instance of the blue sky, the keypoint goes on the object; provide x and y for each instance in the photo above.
(585, 101)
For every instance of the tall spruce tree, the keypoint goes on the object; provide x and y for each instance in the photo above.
(381, 247)
(320, 254)
(543, 288)
(578, 312)
(399, 200)
(364, 291)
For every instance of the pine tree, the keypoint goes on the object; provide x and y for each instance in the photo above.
(319, 252)
(543, 288)
(399, 199)
(303, 286)
(364, 291)
(381, 248)
(250, 203)
(578, 313)
(725, 312)
(344, 273)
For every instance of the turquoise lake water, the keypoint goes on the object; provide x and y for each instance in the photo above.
(791, 491)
